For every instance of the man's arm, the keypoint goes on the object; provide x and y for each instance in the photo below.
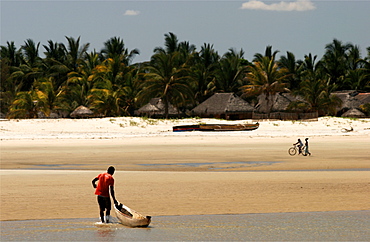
(112, 194)
(93, 181)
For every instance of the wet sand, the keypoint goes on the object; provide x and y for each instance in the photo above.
(46, 170)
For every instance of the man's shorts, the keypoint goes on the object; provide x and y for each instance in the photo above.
(104, 203)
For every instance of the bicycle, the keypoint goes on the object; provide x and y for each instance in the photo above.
(294, 149)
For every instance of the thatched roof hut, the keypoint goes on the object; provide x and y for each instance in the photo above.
(278, 102)
(82, 112)
(363, 98)
(224, 105)
(351, 100)
(354, 113)
(54, 115)
(156, 108)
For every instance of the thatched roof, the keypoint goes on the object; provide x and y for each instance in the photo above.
(147, 108)
(82, 112)
(156, 107)
(222, 103)
(278, 102)
(354, 113)
(54, 115)
(363, 98)
(352, 99)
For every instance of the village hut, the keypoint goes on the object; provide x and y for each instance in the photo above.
(351, 100)
(277, 108)
(224, 106)
(156, 109)
(354, 113)
(54, 115)
(364, 98)
(277, 103)
(82, 112)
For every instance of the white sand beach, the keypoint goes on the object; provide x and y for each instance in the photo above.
(47, 166)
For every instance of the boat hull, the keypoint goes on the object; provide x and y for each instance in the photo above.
(184, 128)
(130, 217)
(216, 127)
(228, 127)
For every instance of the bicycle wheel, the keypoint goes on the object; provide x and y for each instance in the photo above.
(292, 151)
(303, 149)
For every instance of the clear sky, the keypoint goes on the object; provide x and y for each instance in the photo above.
(298, 26)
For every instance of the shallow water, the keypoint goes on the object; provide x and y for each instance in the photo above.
(318, 226)
(216, 165)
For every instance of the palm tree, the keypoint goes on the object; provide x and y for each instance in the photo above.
(203, 72)
(268, 53)
(91, 61)
(115, 48)
(133, 85)
(231, 72)
(27, 104)
(171, 43)
(10, 59)
(357, 79)
(166, 80)
(56, 62)
(46, 95)
(293, 66)
(310, 70)
(55, 51)
(186, 50)
(265, 77)
(31, 52)
(33, 67)
(75, 53)
(335, 62)
(106, 102)
(11, 54)
(75, 91)
(309, 65)
(24, 106)
(366, 68)
(106, 82)
(315, 89)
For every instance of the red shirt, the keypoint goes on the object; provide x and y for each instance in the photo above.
(105, 180)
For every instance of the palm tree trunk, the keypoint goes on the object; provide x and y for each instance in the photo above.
(166, 105)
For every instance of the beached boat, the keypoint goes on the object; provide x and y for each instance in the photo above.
(130, 217)
(181, 128)
(216, 127)
(228, 127)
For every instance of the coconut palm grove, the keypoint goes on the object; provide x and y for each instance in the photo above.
(108, 83)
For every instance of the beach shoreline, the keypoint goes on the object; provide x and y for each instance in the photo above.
(47, 167)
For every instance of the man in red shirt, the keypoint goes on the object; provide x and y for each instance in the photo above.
(104, 187)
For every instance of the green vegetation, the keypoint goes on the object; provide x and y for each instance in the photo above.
(133, 123)
(110, 85)
(366, 108)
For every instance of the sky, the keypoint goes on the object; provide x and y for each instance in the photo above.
(298, 26)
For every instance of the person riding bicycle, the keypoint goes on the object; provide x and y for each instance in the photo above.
(299, 145)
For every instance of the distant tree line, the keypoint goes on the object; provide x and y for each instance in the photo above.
(180, 74)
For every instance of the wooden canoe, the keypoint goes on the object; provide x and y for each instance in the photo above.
(130, 217)
(228, 127)
(182, 128)
(216, 127)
